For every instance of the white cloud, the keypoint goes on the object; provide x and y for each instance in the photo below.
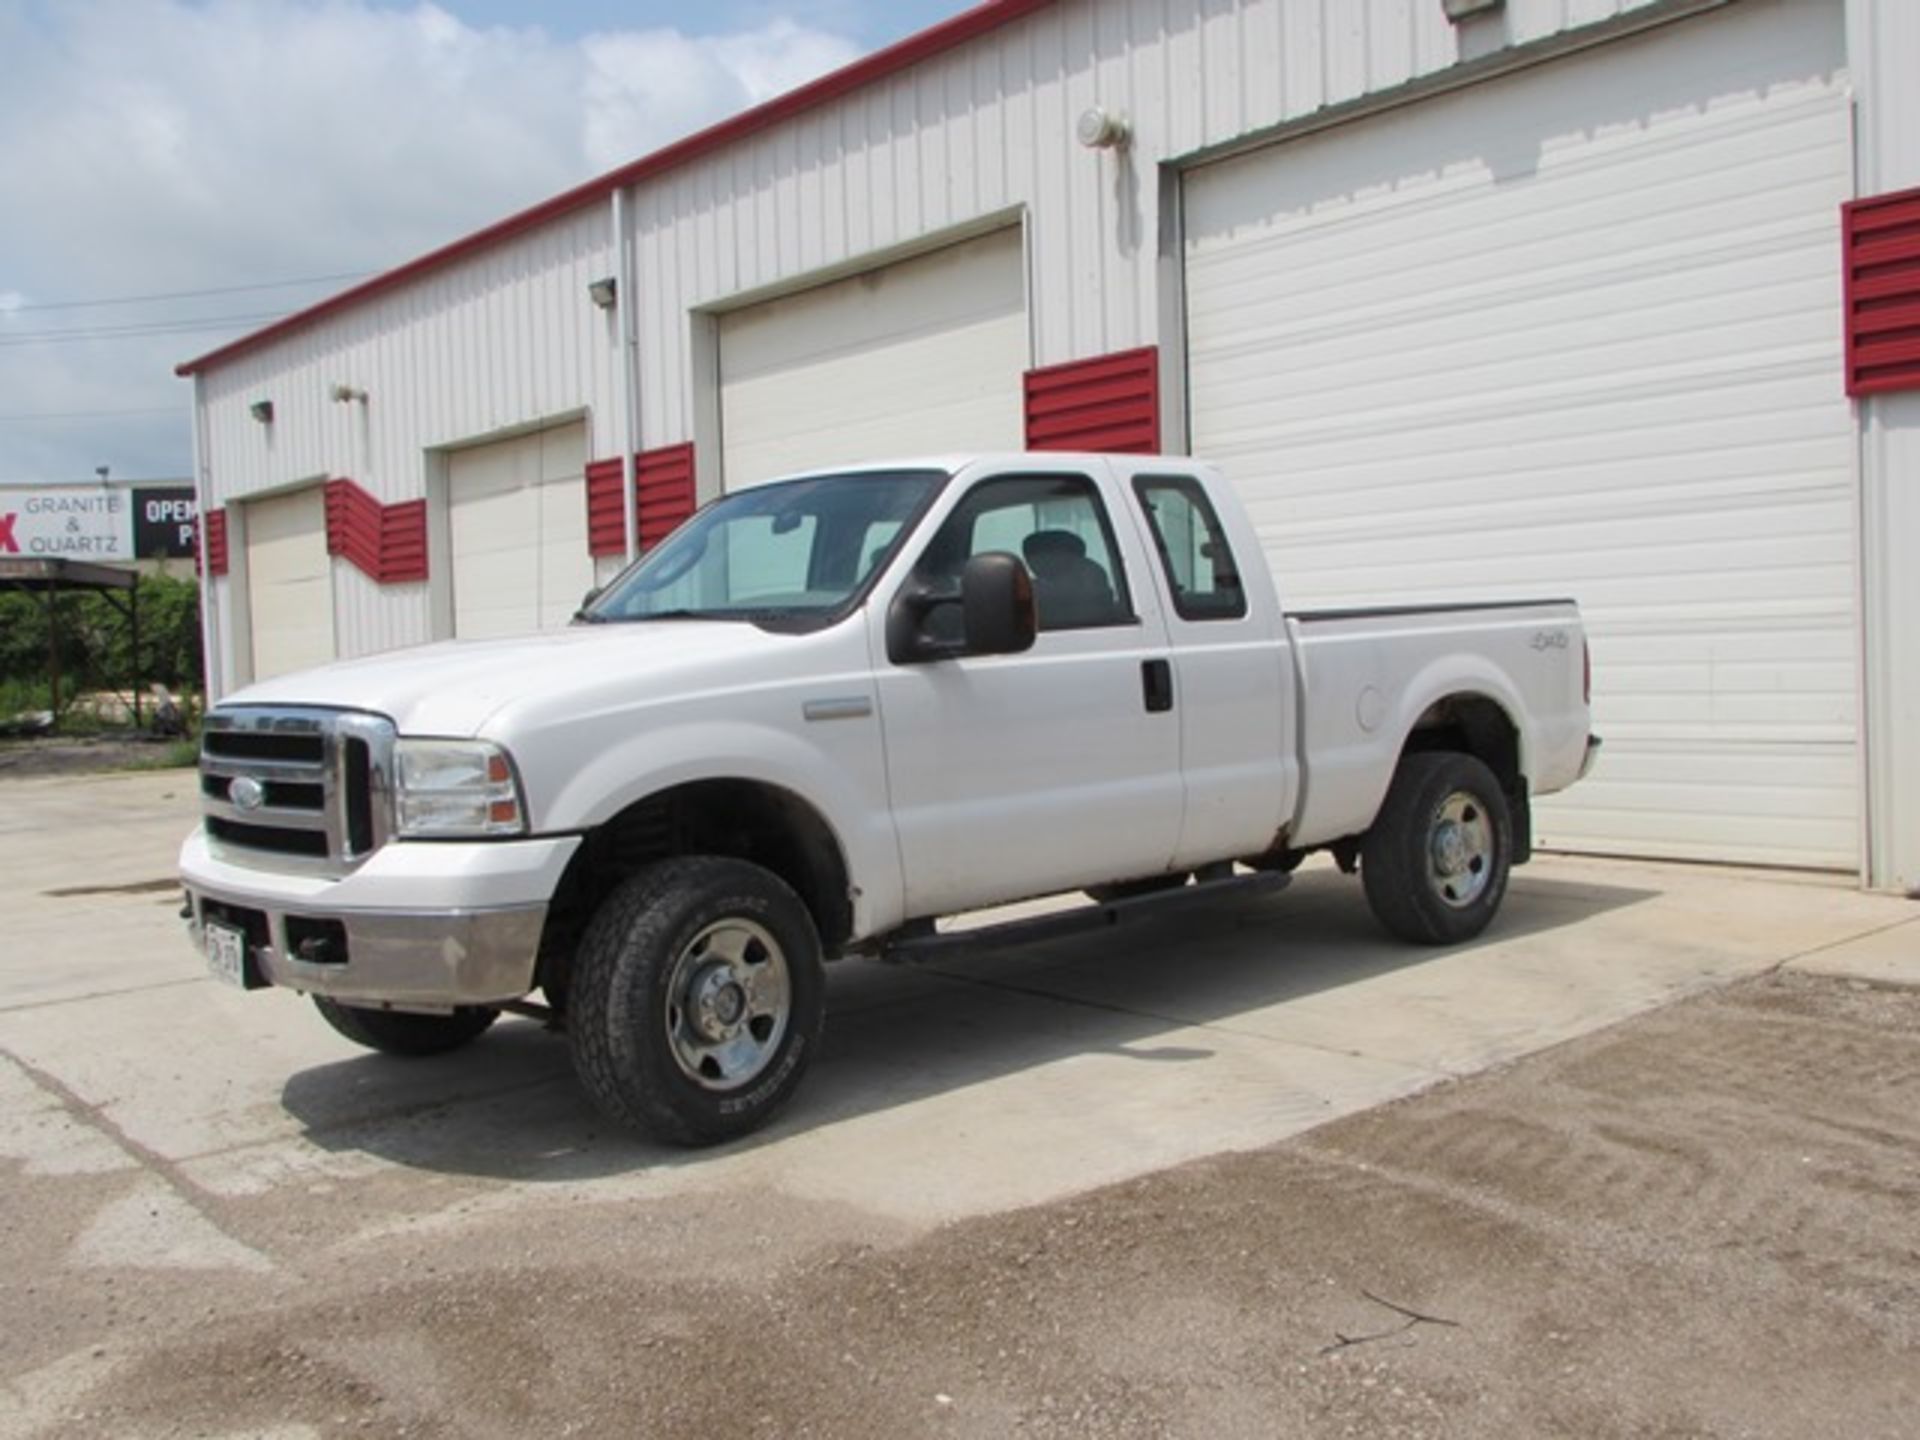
(148, 147)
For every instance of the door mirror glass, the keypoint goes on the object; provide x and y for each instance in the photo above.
(996, 605)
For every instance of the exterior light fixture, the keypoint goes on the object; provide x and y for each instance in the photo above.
(1458, 10)
(603, 291)
(1098, 130)
(344, 393)
(261, 410)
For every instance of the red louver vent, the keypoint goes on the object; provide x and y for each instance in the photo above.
(663, 497)
(403, 543)
(663, 485)
(1111, 404)
(1882, 240)
(213, 531)
(388, 542)
(606, 518)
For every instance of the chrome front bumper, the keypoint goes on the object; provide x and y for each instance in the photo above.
(431, 960)
(418, 927)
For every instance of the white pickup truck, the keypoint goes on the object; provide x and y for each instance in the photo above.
(829, 710)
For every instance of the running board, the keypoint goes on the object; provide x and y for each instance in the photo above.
(923, 942)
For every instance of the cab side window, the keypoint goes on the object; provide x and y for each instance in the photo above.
(1057, 525)
(1193, 548)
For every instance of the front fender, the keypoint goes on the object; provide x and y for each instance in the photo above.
(850, 798)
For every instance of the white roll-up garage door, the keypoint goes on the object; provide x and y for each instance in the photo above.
(916, 358)
(518, 524)
(1576, 332)
(289, 582)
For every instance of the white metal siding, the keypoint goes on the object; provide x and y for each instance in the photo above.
(1576, 332)
(506, 337)
(920, 357)
(500, 340)
(518, 520)
(289, 582)
(988, 127)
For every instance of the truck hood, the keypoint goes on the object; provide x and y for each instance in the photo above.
(453, 687)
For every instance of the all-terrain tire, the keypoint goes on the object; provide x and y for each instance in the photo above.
(396, 1032)
(696, 1000)
(1435, 862)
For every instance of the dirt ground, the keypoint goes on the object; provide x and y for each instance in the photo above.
(1703, 1222)
(21, 759)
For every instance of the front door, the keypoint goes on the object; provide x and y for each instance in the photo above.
(1025, 774)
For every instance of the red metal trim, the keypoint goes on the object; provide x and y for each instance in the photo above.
(663, 491)
(387, 542)
(606, 516)
(1109, 403)
(902, 55)
(662, 498)
(211, 556)
(403, 543)
(1880, 270)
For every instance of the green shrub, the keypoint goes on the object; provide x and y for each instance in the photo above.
(96, 649)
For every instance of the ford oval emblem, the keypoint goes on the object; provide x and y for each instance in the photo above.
(247, 793)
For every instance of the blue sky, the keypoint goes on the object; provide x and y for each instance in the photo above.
(871, 22)
(174, 173)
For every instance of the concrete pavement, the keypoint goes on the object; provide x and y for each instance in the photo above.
(194, 1134)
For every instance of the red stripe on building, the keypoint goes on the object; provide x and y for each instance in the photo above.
(606, 516)
(663, 491)
(1880, 236)
(210, 555)
(662, 497)
(1110, 403)
(387, 542)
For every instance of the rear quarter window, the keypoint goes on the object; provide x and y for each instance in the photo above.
(1199, 564)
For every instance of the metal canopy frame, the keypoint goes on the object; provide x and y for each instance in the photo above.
(48, 579)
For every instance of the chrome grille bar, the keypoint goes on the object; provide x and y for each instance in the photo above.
(292, 755)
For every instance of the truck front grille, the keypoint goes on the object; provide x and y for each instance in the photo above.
(304, 784)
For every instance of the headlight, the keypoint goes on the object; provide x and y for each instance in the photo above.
(451, 788)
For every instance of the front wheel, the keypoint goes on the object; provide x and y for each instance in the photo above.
(1435, 862)
(696, 999)
(399, 1032)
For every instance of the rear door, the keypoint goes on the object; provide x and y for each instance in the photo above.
(1232, 664)
(1024, 774)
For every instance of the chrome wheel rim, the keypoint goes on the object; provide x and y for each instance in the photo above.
(729, 1000)
(1460, 850)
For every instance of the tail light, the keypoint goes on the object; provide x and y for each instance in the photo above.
(1586, 673)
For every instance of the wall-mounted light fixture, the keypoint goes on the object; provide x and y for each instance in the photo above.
(1458, 10)
(603, 292)
(261, 410)
(1097, 129)
(344, 393)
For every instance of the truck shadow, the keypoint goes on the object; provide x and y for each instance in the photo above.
(1163, 990)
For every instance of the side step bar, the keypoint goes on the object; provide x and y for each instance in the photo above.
(920, 941)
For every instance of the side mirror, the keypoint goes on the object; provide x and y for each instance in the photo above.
(996, 605)
(996, 615)
(586, 602)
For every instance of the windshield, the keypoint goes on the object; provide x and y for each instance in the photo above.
(798, 550)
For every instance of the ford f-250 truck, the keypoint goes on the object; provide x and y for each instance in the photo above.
(827, 711)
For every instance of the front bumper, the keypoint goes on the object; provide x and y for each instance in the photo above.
(419, 926)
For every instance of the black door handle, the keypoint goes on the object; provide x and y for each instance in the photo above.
(1156, 683)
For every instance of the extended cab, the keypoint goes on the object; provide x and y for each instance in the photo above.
(825, 712)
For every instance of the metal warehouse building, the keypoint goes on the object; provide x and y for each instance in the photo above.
(1618, 299)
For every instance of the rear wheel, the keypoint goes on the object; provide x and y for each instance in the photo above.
(398, 1032)
(1435, 862)
(696, 999)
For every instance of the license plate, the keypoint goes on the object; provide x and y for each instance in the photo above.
(227, 954)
